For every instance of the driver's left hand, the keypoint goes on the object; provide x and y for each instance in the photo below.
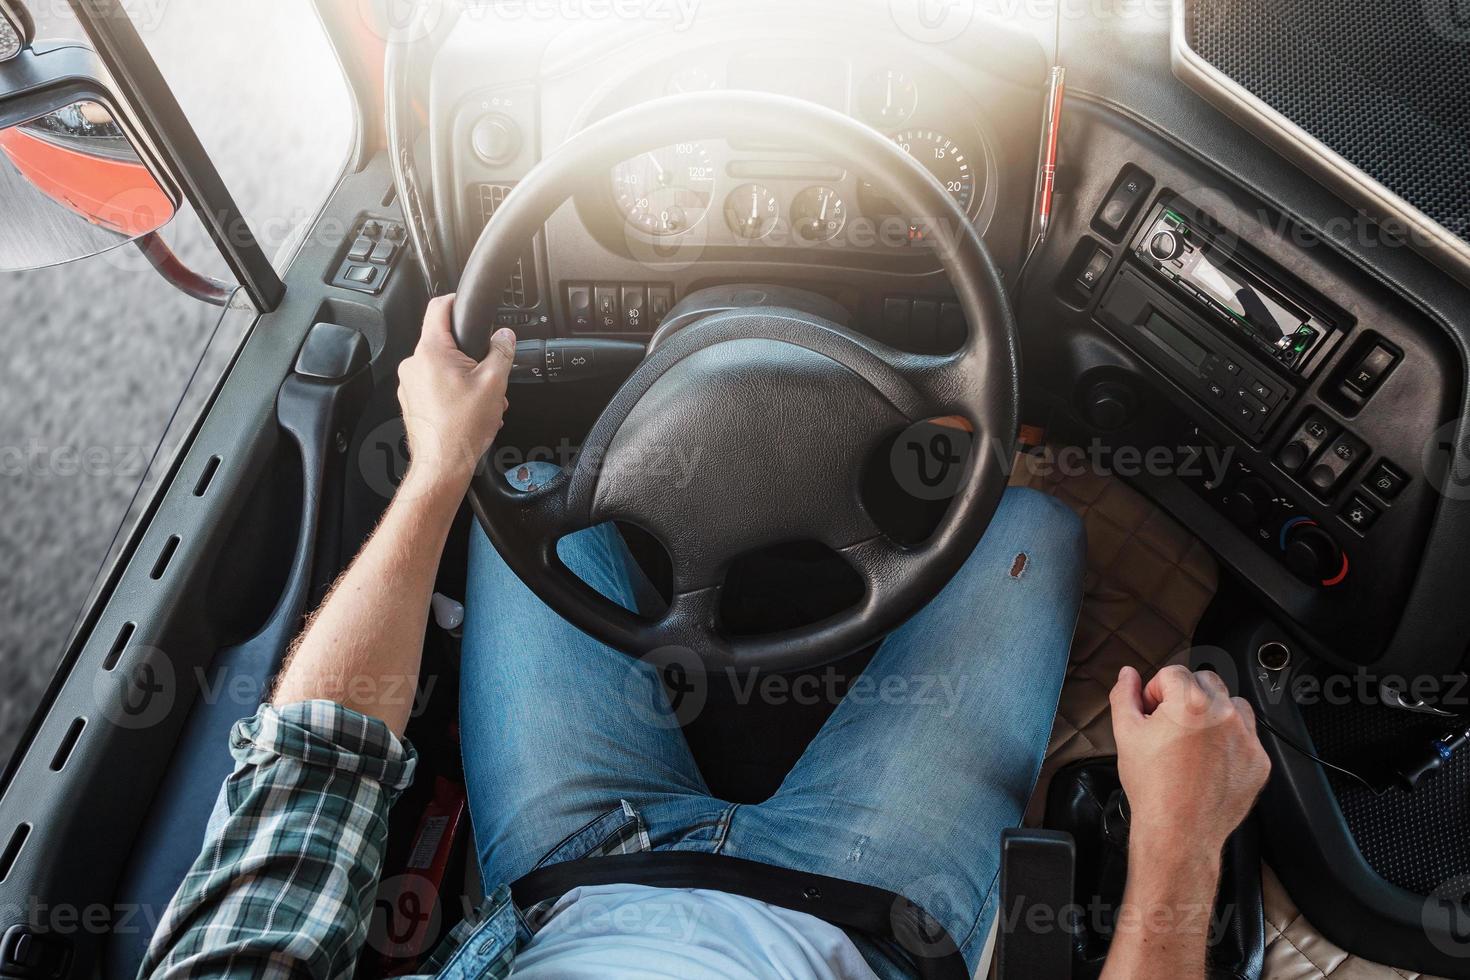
(452, 405)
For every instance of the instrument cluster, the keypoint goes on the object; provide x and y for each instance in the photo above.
(724, 192)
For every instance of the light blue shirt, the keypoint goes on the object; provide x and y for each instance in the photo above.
(612, 932)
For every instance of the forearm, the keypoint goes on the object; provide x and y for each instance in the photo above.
(363, 646)
(1163, 927)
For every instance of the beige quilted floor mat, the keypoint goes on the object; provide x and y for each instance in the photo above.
(1296, 951)
(1148, 583)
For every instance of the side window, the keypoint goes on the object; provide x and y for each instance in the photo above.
(100, 351)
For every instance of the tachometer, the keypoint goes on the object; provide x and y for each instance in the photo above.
(942, 158)
(666, 191)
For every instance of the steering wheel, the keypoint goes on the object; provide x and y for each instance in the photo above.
(780, 409)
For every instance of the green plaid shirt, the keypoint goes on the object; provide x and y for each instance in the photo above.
(286, 882)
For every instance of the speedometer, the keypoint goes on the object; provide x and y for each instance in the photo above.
(666, 191)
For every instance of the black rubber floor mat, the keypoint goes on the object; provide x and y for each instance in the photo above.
(1418, 840)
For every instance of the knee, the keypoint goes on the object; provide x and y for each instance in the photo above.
(1049, 536)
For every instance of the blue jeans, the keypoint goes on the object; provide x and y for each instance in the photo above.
(907, 787)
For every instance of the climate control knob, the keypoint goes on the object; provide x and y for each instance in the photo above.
(1250, 503)
(1312, 555)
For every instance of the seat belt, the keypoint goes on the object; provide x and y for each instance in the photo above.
(873, 911)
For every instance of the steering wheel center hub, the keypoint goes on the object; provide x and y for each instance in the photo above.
(740, 427)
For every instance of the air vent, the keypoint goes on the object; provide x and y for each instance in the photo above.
(68, 742)
(12, 849)
(118, 646)
(164, 557)
(210, 468)
(492, 196)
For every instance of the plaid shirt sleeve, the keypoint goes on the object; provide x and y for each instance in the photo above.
(285, 882)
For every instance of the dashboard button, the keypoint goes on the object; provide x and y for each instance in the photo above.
(1386, 481)
(383, 252)
(1092, 272)
(895, 320)
(1359, 514)
(579, 306)
(660, 301)
(360, 250)
(635, 308)
(1293, 456)
(605, 307)
(1368, 373)
(1122, 202)
(1335, 462)
(1304, 443)
(364, 274)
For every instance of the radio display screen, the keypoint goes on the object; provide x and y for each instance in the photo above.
(1269, 317)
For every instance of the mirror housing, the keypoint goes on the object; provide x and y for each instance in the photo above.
(75, 178)
(17, 29)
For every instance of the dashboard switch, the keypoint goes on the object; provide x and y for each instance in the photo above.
(1315, 429)
(895, 320)
(605, 308)
(579, 306)
(1368, 373)
(635, 308)
(1386, 481)
(1092, 271)
(1121, 204)
(1359, 514)
(1333, 463)
(660, 301)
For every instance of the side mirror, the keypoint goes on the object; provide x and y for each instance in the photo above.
(74, 180)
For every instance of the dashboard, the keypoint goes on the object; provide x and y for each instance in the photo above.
(643, 233)
(1170, 306)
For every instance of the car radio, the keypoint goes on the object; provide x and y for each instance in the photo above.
(1215, 279)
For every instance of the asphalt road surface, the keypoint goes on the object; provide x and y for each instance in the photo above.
(97, 352)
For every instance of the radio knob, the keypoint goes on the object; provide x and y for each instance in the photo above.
(1312, 554)
(1165, 246)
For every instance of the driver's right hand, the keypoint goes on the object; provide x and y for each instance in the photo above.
(1189, 758)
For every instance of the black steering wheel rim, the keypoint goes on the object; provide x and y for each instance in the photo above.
(979, 382)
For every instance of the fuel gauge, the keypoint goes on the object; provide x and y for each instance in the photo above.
(751, 211)
(818, 214)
